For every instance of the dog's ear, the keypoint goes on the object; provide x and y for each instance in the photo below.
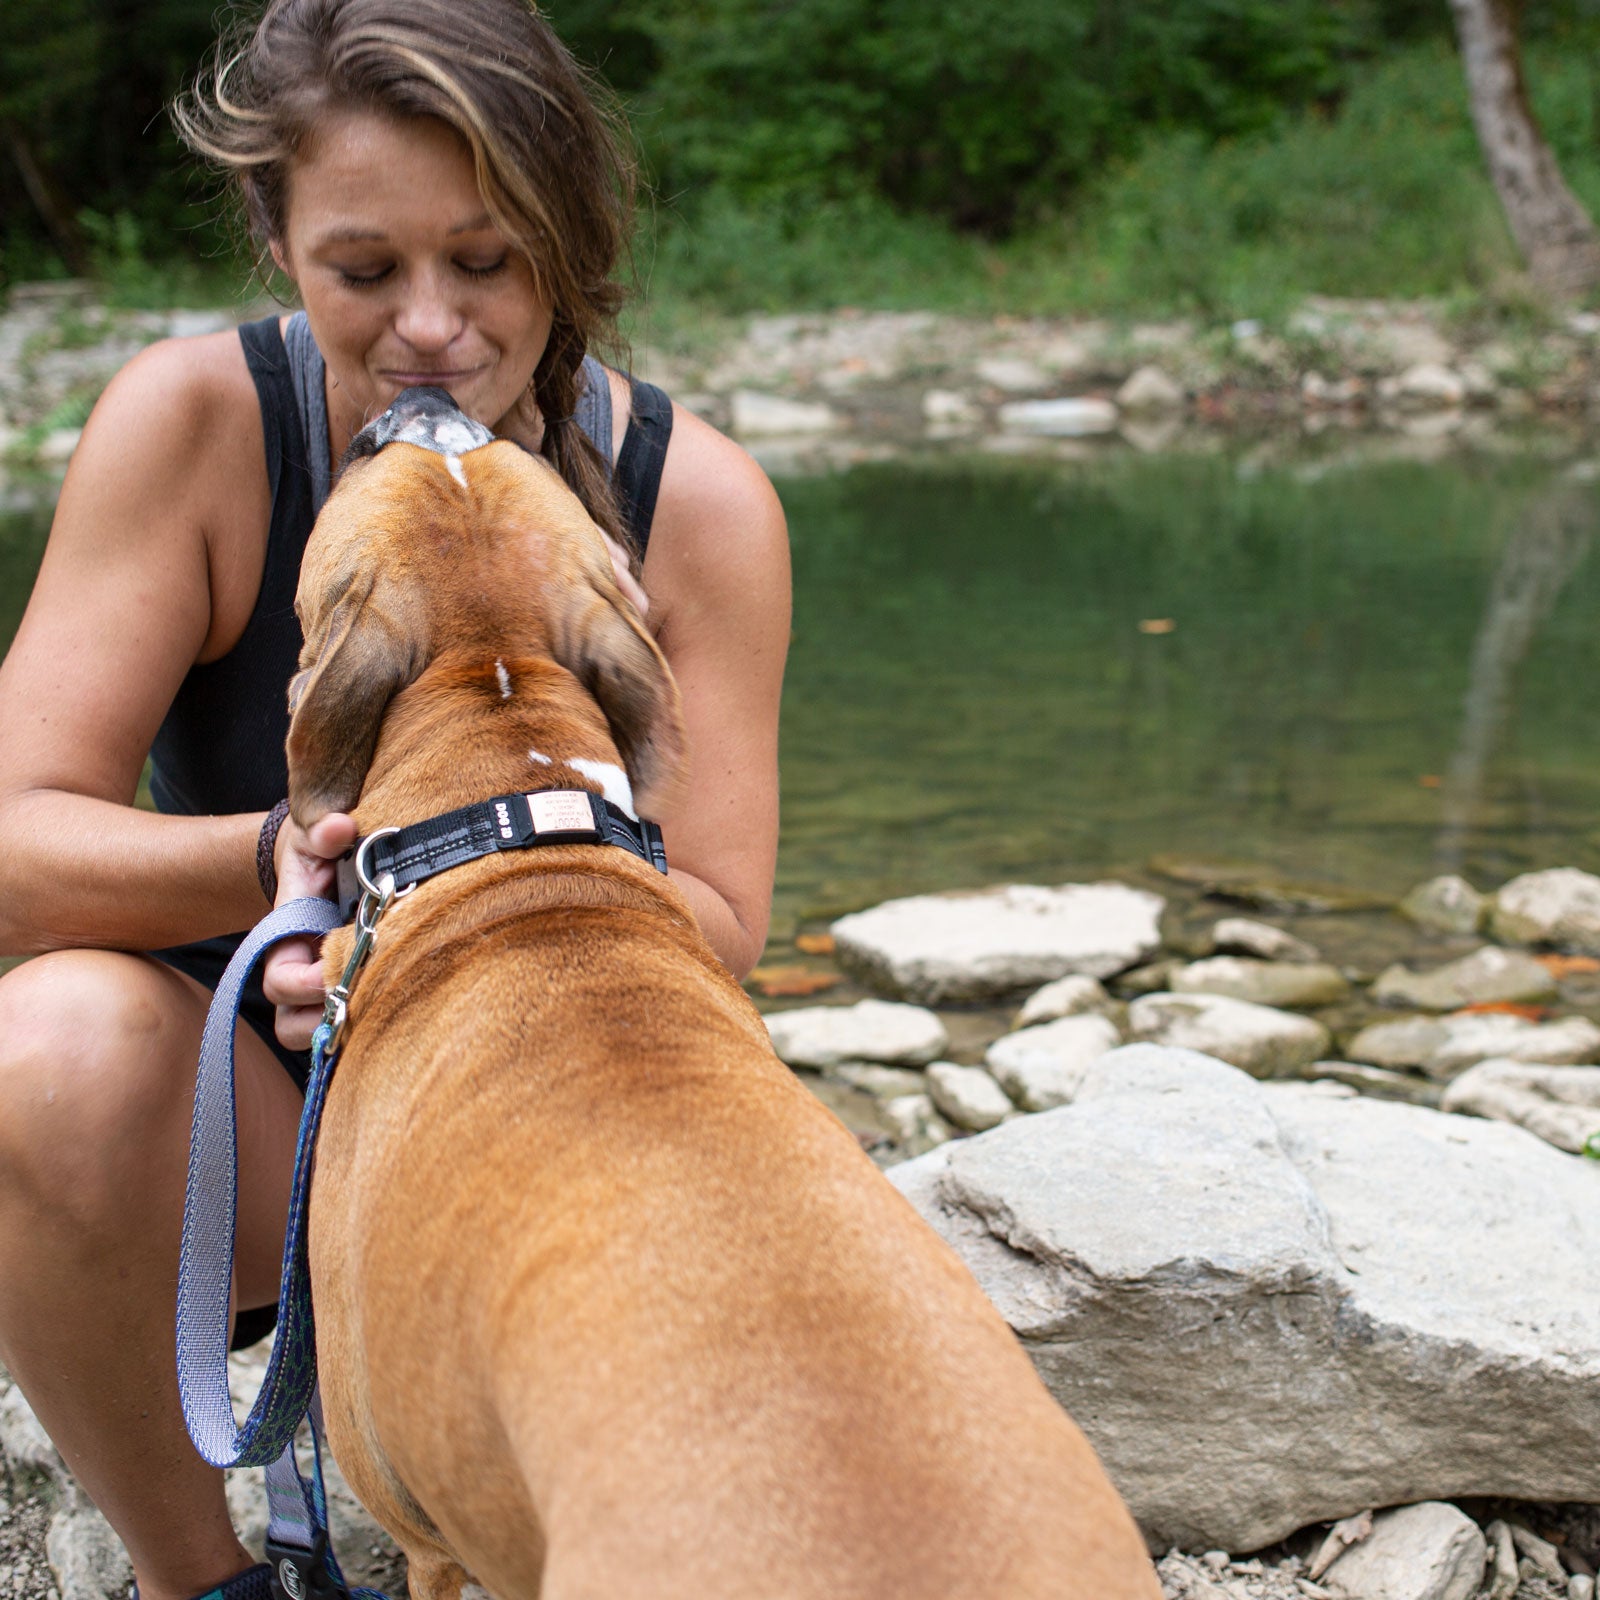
(599, 639)
(337, 702)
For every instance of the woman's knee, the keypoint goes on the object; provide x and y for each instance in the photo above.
(97, 1053)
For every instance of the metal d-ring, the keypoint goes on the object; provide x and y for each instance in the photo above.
(364, 877)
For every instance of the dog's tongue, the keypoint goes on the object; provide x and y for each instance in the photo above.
(427, 416)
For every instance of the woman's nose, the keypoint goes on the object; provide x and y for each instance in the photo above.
(428, 318)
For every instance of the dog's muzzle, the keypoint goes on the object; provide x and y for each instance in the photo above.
(425, 416)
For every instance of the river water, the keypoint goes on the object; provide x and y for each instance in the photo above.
(1047, 671)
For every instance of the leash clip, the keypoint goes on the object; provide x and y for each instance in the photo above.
(376, 898)
(302, 1574)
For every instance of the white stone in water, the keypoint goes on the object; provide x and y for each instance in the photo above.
(1427, 384)
(1066, 419)
(1487, 976)
(1431, 1551)
(1263, 1041)
(1449, 904)
(1267, 983)
(755, 413)
(1443, 1046)
(968, 1096)
(1207, 1272)
(1066, 997)
(1042, 1067)
(1247, 937)
(1559, 907)
(1560, 1104)
(870, 1030)
(1014, 374)
(990, 942)
(1151, 389)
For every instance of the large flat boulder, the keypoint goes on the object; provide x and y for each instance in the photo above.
(1275, 1304)
(981, 944)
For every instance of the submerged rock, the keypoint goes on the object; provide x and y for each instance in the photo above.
(870, 1030)
(1255, 885)
(1488, 976)
(1209, 1272)
(1265, 1042)
(1560, 907)
(991, 942)
(1266, 983)
(1042, 1067)
(1447, 904)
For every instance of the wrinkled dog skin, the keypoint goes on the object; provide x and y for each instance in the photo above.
(608, 1304)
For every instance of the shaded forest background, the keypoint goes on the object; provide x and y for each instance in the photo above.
(1220, 156)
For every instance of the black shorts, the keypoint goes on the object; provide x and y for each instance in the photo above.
(205, 961)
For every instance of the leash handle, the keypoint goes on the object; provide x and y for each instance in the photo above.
(210, 1208)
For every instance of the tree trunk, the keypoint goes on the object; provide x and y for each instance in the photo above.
(1553, 231)
(48, 201)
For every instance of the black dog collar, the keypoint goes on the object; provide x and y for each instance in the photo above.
(507, 822)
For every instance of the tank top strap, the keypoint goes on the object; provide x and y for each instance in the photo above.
(644, 452)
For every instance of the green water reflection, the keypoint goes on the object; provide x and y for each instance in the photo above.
(1373, 672)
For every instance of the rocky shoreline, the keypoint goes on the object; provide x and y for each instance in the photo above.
(818, 389)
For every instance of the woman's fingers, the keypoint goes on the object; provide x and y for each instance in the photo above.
(626, 581)
(291, 977)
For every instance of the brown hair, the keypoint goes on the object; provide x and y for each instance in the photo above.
(551, 154)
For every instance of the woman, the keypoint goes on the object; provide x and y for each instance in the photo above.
(439, 184)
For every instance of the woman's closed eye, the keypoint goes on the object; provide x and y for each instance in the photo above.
(353, 279)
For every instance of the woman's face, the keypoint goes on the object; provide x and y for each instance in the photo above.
(404, 277)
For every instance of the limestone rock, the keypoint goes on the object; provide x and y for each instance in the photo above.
(23, 1441)
(967, 1096)
(916, 1122)
(86, 1557)
(1066, 419)
(1560, 1104)
(988, 943)
(1443, 1046)
(1427, 385)
(1486, 976)
(1449, 904)
(1042, 1067)
(1560, 907)
(1263, 1041)
(1209, 1272)
(950, 407)
(1066, 997)
(1151, 389)
(1244, 936)
(883, 1082)
(870, 1030)
(769, 414)
(1014, 374)
(1380, 1081)
(1265, 983)
(1431, 1551)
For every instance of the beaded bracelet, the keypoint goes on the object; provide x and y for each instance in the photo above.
(266, 845)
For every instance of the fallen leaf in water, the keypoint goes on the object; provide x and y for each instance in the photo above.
(821, 944)
(1567, 966)
(1157, 625)
(786, 981)
(1506, 1008)
(1430, 780)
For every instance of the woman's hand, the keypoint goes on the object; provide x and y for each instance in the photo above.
(292, 976)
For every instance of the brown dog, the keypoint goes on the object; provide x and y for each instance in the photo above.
(609, 1306)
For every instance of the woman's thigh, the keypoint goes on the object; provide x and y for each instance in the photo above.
(98, 1051)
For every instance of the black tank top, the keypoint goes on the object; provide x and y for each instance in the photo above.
(220, 749)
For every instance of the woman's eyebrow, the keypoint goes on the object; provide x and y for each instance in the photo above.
(372, 235)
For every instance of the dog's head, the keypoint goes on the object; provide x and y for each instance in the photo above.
(420, 554)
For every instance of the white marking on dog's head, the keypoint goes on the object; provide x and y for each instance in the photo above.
(612, 779)
(505, 679)
(457, 471)
(539, 758)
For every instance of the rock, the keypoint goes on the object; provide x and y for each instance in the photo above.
(1266, 983)
(1443, 1046)
(1425, 385)
(1262, 887)
(1150, 389)
(55, 450)
(882, 1082)
(1560, 1104)
(870, 1030)
(1316, 390)
(1066, 419)
(1560, 907)
(950, 406)
(756, 413)
(1379, 1081)
(1014, 374)
(1264, 1042)
(1449, 904)
(1042, 1067)
(1246, 937)
(916, 1122)
(988, 943)
(1431, 1551)
(86, 1557)
(1488, 976)
(1209, 1272)
(1506, 1580)
(23, 1441)
(1152, 979)
(1066, 997)
(1540, 1553)
(967, 1096)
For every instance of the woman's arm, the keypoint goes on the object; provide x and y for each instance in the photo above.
(155, 519)
(717, 573)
